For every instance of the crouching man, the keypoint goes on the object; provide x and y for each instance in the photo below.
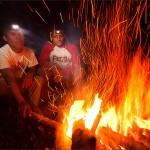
(18, 71)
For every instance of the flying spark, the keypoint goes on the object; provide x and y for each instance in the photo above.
(29, 6)
(39, 15)
(46, 6)
(61, 17)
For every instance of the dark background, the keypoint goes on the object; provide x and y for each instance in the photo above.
(18, 11)
(38, 31)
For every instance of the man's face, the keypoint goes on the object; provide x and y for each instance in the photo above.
(15, 39)
(58, 38)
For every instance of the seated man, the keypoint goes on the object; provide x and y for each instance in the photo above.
(18, 71)
(60, 62)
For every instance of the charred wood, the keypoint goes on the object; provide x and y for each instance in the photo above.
(108, 142)
(96, 122)
(141, 135)
(126, 142)
(82, 138)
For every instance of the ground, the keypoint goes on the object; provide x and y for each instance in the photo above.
(17, 133)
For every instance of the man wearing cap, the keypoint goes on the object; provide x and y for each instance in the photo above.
(60, 60)
(18, 71)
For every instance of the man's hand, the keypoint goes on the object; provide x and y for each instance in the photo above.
(27, 81)
(24, 109)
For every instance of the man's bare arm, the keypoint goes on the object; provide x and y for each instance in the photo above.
(29, 77)
(10, 78)
(23, 107)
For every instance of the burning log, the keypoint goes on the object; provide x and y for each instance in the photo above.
(145, 132)
(108, 142)
(143, 139)
(46, 121)
(82, 138)
(140, 135)
(96, 122)
(126, 142)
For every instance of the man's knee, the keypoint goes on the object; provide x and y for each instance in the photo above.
(39, 80)
(5, 90)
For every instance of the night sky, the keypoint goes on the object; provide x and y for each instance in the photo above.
(24, 13)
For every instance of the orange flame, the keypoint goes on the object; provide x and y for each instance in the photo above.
(129, 111)
(77, 112)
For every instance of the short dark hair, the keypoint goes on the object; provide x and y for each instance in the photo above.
(9, 27)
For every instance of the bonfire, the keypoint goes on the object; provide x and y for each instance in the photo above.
(111, 109)
(114, 47)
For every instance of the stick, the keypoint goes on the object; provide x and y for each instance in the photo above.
(96, 122)
(45, 120)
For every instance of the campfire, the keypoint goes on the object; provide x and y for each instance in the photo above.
(125, 126)
(111, 110)
(114, 113)
(113, 47)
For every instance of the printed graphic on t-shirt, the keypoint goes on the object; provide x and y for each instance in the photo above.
(61, 56)
(18, 61)
(19, 64)
(64, 59)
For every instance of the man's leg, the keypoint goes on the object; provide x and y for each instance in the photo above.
(4, 88)
(47, 75)
(34, 92)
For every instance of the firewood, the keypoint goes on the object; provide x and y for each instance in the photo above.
(131, 134)
(109, 143)
(113, 144)
(83, 139)
(143, 139)
(141, 131)
(145, 132)
(96, 122)
(100, 146)
(122, 140)
(141, 135)
(46, 121)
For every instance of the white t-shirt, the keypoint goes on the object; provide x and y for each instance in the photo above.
(18, 61)
(61, 57)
